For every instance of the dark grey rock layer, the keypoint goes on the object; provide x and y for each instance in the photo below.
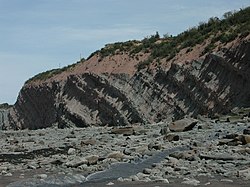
(217, 84)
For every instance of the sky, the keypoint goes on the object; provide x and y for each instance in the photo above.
(39, 35)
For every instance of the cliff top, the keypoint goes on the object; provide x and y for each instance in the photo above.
(154, 51)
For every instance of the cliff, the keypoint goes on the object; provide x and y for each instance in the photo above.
(141, 82)
(214, 85)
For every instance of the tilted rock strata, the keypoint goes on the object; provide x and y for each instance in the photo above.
(216, 84)
(4, 118)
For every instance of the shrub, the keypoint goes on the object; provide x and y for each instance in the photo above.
(144, 64)
(208, 48)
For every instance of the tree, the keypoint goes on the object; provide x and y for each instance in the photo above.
(157, 36)
(227, 14)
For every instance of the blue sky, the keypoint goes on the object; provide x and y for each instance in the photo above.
(38, 35)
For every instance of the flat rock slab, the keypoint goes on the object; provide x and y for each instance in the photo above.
(123, 130)
(182, 125)
(224, 157)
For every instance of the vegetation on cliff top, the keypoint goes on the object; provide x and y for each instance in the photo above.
(5, 106)
(50, 73)
(232, 25)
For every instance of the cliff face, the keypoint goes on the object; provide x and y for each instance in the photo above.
(216, 84)
(4, 121)
(35, 107)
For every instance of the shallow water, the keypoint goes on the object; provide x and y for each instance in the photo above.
(115, 171)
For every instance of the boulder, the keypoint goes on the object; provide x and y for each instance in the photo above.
(127, 131)
(182, 125)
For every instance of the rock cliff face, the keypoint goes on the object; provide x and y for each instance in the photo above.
(4, 118)
(216, 84)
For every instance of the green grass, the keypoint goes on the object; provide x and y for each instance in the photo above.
(48, 74)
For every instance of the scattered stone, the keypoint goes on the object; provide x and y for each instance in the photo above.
(186, 155)
(83, 167)
(141, 176)
(229, 142)
(147, 171)
(116, 155)
(244, 173)
(182, 125)
(120, 179)
(110, 184)
(76, 162)
(123, 130)
(172, 161)
(247, 131)
(226, 180)
(3, 168)
(245, 139)
(204, 159)
(205, 126)
(171, 137)
(169, 170)
(193, 182)
(31, 166)
(164, 131)
(71, 151)
(70, 136)
(165, 181)
(134, 178)
(8, 175)
(79, 178)
(92, 160)
(88, 142)
(155, 146)
(224, 157)
(42, 176)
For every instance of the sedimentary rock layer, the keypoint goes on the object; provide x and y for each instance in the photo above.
(216, 84)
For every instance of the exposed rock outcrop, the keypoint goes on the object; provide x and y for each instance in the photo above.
(4, 118)
(216, 84)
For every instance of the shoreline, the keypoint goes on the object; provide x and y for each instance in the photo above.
(217, 181)
(69, 155)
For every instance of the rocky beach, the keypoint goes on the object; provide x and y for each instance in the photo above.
(170, 111)
(199, 151)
